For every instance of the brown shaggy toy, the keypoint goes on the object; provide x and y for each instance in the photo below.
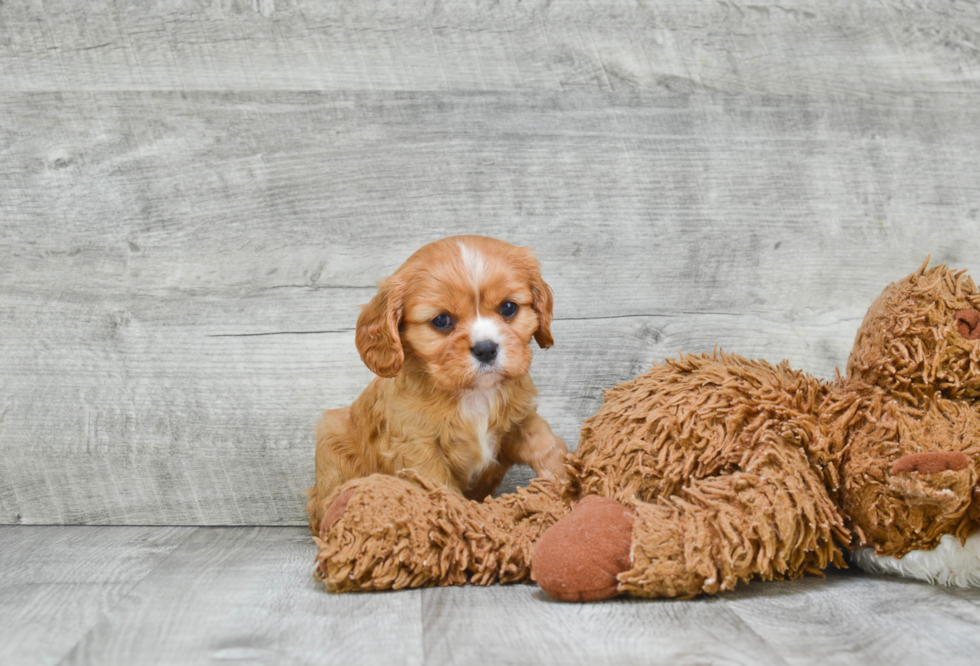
(709, 470)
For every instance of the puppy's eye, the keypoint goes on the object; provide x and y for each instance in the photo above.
(507, 309)
(443, 322)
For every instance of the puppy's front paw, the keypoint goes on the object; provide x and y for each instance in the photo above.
(580, 556)
(547, 456)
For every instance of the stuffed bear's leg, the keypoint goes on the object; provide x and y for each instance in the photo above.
(732, 528)
(385, 532)
(773, 519)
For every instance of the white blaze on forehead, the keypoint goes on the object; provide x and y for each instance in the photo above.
(475, 265)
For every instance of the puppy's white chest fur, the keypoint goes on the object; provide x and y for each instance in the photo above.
(476, 406)
(950, 563)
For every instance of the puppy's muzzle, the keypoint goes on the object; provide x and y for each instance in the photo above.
(485, 352)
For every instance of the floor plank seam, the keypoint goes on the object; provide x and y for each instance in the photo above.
(747, 628)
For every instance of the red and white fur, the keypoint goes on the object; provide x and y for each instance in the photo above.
(448, 335)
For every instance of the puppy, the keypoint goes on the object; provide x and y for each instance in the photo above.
(449, 337)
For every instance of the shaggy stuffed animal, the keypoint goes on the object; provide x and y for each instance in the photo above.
(709, 470)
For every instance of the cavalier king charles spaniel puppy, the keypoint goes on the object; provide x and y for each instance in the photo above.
(449, 337)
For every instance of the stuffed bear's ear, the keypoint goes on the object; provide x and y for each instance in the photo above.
(968, 324)
(542, 301)
(377, 338)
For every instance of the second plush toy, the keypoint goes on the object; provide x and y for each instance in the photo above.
(709, 470)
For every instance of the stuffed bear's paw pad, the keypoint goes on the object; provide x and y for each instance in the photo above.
(336, 510)
(580, 556)
(931, 463)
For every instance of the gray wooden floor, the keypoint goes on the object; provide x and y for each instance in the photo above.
(195, 198)
(196, 595)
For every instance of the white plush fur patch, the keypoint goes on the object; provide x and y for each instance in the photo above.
(951, 563)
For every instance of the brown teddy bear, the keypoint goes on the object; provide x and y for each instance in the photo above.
(708, 470)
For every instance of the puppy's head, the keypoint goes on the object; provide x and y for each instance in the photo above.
(463, 310)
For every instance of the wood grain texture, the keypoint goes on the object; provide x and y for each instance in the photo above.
(125, 595)
(856, 618)
(247, 596)
(845, 618)
(808, 48)
(56, 584)
(520, 624)
(180, 273)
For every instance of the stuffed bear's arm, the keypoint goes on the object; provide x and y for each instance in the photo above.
(936, 491)
(772, 519)
(392, 532)
(924, 496)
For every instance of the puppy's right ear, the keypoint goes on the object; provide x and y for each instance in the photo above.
(377, 337)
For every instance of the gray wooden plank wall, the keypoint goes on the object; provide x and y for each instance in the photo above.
(196, 197)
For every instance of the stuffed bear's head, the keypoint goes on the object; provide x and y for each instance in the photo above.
(909, 436)
(922, 335)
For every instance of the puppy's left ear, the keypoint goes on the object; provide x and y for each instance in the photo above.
(542, 301)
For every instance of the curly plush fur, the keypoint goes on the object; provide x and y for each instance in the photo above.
(717, 469)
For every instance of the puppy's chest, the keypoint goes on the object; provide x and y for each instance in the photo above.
(480, 415)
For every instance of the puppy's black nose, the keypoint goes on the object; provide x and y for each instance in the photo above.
(485, 351)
